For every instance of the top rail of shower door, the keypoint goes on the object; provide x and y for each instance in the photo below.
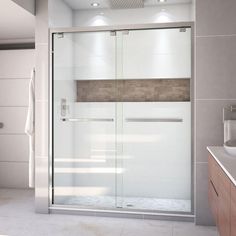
(88, 119)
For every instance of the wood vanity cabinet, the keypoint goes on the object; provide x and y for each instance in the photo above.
(212, 187)
(224, 185)
(219, 195)
(233, 210)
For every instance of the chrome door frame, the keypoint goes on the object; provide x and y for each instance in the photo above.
(113, 212)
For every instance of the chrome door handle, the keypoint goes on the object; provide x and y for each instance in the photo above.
(88, 119)
(154, 120)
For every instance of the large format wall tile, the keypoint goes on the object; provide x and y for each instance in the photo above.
(216, 70)
(19, 153)
(41, 129)
(42, 81)
(13, 119)
(209, 124)
(14, 92)
(16, 63)
(14, 175)
(203, 212)
(215, 17)
(41, 22)
(42, 184)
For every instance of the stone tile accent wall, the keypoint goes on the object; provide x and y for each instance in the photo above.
(135, 90)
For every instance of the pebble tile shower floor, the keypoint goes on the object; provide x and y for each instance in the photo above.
(152, 204)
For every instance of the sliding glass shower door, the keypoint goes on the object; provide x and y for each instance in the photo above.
(84, 121)
(121, 120)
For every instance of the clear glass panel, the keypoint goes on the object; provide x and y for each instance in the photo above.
(156, 127)
(122, 119)
(84, 124)
(157, 54)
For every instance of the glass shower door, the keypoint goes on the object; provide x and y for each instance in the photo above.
(156, 120)
(84, 119)
(122, 120)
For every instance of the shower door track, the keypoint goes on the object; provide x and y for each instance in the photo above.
(64, 209)
(140, 214)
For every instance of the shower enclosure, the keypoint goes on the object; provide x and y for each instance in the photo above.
(121, 120)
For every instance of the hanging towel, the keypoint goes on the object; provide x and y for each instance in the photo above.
(30, 130)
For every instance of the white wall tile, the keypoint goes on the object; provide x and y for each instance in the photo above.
(14, 92)
(13, 175)
(174, 13)
(60, 14)
(41, 22)
(14, 148)
(42, 184)
(14, 119)
(41, 129)
(16, 63)
(41, 81)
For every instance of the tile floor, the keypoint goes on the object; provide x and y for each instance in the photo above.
(17, 218)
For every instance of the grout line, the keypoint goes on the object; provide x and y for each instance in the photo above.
(216, 36)
(14, 161)
(12, 134)
(16, 78)
(215, 99)
(13, 106)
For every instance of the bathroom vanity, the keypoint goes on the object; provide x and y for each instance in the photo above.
(222, 190)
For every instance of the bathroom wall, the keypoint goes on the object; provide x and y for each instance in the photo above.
(60, 15)
(215, 86)
(48, 14)
(174, 13)
(15, 71)
(56, 14)
(29, 5)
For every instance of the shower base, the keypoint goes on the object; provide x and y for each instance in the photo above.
(135, 203)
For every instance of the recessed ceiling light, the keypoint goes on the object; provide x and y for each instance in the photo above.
(95, 4)
(162, 0)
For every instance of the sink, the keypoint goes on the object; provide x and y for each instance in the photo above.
(230, 147)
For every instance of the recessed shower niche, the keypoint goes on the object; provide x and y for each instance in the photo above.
(121, 120)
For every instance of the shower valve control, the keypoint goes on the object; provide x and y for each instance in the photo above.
(64, 107)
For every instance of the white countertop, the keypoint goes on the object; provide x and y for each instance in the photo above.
(227, 162)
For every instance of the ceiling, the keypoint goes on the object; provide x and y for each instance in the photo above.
(115, 4)
(16, 24)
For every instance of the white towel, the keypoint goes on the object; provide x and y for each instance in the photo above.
(30, 130)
